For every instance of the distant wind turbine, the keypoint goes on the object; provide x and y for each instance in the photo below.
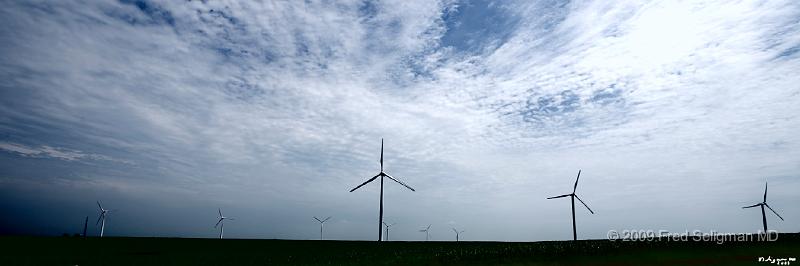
(457, 233)
(426, 230)
(387, 229)
(763, 213)
(573, 196)
(221, 223)
(102, 219)
(381, 175)
(321, 224)
(85, 225)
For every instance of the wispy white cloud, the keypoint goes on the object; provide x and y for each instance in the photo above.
(55, 153)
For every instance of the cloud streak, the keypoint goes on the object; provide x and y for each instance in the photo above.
(56, 153)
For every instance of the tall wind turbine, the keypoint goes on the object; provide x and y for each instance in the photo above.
(321, 224)
(457, 233)
(381, 175)
(763, 213)
(387, 229)
(573, 196)
(221, 223)
(426, 230)
(102, 219)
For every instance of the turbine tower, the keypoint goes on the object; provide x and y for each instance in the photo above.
(764, 213)
(102, 219)
(387, 229)
(321, 224)
(381, 175)
(426, 230)
(457, 233)
(574, 196)
(221, 223)
(85, 225)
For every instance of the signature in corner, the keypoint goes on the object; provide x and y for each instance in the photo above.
(777, 261)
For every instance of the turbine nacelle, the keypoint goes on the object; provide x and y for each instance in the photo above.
(103, 213)
(764, 204)
(426, 228)
(221, 218)
(323, 220)
(573, 194)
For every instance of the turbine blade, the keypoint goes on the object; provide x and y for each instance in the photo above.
(584, 204)
(318, 220)
(398, 181)
(381, 154)
(98, 205)
(559, 196)
(362, 184)
(576, 181)
(220, 212)
(220, 220)
(751, 206)
(765, 192)
(454, 230)
(773, 211)
(326, 219)
(98, 219)
(429, 227)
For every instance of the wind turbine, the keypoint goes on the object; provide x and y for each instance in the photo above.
(763, 213)
(381, 175)
(387, 229)
(85, 225)
(321, 224)
(573, 196)
(221, 223)
(457, 233)
(426, 230)
(102, 218)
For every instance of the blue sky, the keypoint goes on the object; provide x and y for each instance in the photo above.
(677, 113)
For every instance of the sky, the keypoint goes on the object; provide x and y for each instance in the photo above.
(677, 113)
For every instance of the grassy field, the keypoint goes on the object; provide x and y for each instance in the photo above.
(176, 251)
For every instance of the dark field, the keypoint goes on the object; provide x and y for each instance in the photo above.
(175, 251)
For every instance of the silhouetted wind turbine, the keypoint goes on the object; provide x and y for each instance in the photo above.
(763, 213)
(221, 223)
(85, 225)
(102, 218)
(381, 175)
(426, 230)
(457, 233)
(321, 224)
(573, 196)
(387, 229)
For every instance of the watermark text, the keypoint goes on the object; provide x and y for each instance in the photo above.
(696, 235)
